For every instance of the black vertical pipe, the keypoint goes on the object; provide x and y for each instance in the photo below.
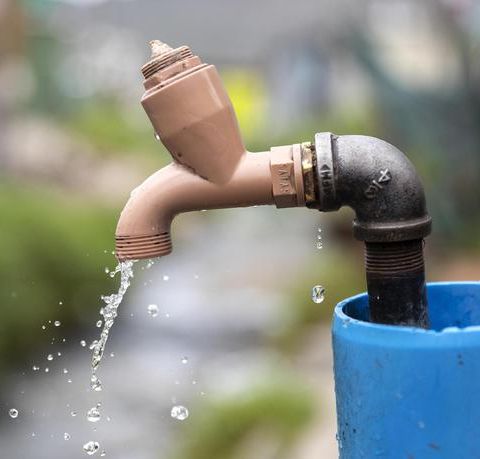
(396, 283)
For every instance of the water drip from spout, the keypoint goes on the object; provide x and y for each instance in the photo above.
(109, 313)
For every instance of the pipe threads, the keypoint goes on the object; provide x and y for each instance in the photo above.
(394, 258)
(140, 247)
(165, 60)
(396, 283)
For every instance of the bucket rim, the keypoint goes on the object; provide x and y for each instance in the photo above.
(345, 324)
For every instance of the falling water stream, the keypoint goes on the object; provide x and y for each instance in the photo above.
(109, 314)
(38, 427)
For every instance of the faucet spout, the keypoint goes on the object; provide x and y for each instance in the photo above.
(143, 229)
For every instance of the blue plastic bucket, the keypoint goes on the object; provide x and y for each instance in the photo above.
(406, 392)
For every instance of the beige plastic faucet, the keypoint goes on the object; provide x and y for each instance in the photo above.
(193, 116)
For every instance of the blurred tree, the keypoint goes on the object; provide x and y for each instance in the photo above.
(53, 250)
(438, 128)
(265, 417)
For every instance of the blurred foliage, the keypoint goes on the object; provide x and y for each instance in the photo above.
(248, 93)
(340, 272)
(439, 129)
(364, 122)
(105, 125)
(272, 413)
(44, 52)
(53, 250)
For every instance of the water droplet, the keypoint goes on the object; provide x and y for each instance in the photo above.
(184, 360)
(103, 454)
(99, 324)
(73, 414)
(65, 371)
(59, 354)
(150, 264)
(83, 343)
(69, 381)
(91, 447)
(339, 441)
(152, 310)
(112, 354)
(13, 413)
(35, 368)
(93, 414)
(50, 357)
(319, 239)
(66, 436)
(107, 270)
(95, 383)
(165, 277)
(179, 412)
(318, 294)
(60, 303)
(47, 370)
(93, 345)
(156, 136)
(57, 323)
(44, 327)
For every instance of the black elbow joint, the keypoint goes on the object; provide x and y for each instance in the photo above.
(381, 185)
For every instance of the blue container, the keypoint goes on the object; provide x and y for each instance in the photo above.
(408, 393)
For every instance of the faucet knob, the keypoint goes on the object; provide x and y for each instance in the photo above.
(163, 56)
(158, 48)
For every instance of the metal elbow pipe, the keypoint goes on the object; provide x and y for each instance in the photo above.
(382, 186)
(193, 116)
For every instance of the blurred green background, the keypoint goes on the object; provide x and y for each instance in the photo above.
(74, 141)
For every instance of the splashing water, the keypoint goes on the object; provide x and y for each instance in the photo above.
(109, 313)
(93, 414)
(152, 310)
(91, 447)
(179, 412)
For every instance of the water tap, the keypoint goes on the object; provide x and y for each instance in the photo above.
(193, 116)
